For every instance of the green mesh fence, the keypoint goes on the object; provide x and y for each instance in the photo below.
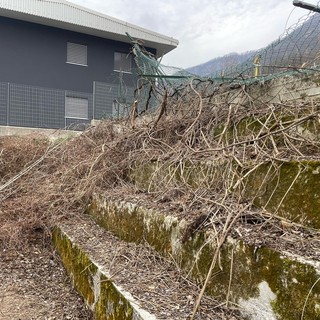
(296, 51)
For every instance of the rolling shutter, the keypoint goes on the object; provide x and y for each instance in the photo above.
(77, 108)
(77, 54)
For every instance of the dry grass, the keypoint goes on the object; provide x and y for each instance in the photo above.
(18, 152)
(191, 126)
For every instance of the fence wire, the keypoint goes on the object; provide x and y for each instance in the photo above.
(297, 50)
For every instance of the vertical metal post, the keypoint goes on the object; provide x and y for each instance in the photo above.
(93, 98)
(8, 104)
(65, 115)
(256, 63)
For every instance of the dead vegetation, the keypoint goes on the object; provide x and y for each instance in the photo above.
(19, 152)
(34, 285)
(195, 124)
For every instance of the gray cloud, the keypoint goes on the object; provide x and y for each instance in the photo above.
(205, 28)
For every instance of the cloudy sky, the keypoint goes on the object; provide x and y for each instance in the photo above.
(206, 28)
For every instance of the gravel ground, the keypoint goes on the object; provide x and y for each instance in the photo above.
(34, 285)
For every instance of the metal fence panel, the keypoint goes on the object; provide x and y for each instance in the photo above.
(104, 96)
(3, 103)
(111, 101)
(36, 107)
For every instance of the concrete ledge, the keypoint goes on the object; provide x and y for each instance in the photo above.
(289, 189)
(286, 88)
(126, 281)
(267, 284)
(101, 294)
(50, 133)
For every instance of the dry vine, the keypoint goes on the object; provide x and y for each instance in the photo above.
(194, 126)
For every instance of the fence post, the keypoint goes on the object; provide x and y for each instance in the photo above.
(8, 104)
(256, 63)
(65, 115)
(93, 98)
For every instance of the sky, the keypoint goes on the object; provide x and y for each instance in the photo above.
(206, 29)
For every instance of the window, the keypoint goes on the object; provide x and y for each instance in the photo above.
(122, 62)
(77, 54)
(77, 108)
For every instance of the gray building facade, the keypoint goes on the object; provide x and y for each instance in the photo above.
(56, 76)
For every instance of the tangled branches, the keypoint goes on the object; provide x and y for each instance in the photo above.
(211, 153)
(195, 128)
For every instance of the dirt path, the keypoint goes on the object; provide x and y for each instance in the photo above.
(34, 285)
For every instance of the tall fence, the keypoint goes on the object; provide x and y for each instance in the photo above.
(296, 51)
(39, 107)
(111, 100)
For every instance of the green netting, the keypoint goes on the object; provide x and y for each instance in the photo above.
(296, 51)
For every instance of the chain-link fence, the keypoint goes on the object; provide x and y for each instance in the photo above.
(295, 51)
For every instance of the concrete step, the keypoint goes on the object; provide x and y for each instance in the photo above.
(287, 189)
(271, 271)
(121, 280)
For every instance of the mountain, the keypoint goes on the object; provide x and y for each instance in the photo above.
(218, 64)
(297, 48)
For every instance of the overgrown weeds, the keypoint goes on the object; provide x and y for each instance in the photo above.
(194, 128)
(201, 148)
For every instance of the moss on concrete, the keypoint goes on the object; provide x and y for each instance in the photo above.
(99, 293)
(251, 126)
(136, 224)
(155, 175)
(77, 265)
(289, 280)
(111, 305)
(274, 186)
(291, 190)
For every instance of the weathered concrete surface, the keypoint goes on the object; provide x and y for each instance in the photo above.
(51, 133)
(290, 87)
(128, 281)
(288, 189)
(275, 283)
(101, 294)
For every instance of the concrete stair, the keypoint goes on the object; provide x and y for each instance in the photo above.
(275, 278)
(120, 280)
(289, 189)
(268, 267)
